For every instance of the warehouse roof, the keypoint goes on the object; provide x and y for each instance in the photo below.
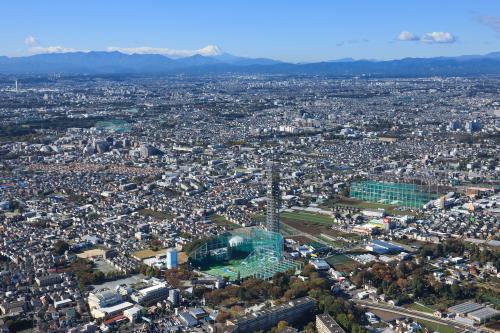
(465, 308)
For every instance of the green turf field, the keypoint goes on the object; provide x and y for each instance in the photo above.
(230, 270)
(435, 327)
(222, 221)
(308, 217)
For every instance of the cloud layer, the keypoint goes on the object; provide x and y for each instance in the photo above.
(51, 49)
(440, 37)
(210, 50)
(492, 22)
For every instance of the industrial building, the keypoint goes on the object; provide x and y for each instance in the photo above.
(479, 313)
(381, 247)
(483, 315)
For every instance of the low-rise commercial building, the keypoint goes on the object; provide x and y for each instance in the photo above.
(326, 324)
(291, 312)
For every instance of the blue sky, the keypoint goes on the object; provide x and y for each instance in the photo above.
(291, 30)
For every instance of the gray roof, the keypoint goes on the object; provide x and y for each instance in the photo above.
(484, 313)
(465, 308)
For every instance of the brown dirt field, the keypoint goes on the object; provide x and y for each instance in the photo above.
(386, 316)
(301, 239)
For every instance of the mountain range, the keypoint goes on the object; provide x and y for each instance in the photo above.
(105, 62)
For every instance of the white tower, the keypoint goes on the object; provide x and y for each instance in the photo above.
(17, 87)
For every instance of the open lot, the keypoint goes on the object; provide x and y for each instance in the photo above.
(435, 327)
(386, 316)
(155, 214)
(301, 239)
(147, 253)
(431, 326)
(104, 266)
(420, 307)
(342, 263)
(91, 253)
(182, 257)
(111, 285)
(314, 224)
(222, 221)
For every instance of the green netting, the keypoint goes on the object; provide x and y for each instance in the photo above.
(397, 194)
(245, 252)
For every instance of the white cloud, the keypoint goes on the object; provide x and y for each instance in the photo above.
(31, 41)
(35, 47)
(51, 49)
(407, 36)
(438, 37)
(492, 22)
(210, 50)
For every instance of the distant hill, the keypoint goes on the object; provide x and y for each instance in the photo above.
(119, 63)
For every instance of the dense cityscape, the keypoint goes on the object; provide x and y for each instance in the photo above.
(249, 202)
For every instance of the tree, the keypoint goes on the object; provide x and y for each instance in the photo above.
(308, 269)
(343, 321)
(281, 325)
(222, 316)
(310, 327)
(60, 247)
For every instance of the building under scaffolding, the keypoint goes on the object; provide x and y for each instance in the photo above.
(242, 253)
(397, 194)
(273, 200)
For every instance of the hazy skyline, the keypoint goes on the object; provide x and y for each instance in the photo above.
(286, 30)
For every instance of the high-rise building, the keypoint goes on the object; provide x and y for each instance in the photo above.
(273, 200)
(174, 296)
(172, 261)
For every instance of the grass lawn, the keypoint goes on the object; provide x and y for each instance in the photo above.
(308, 217)
(342, 263)
(331, 242)
(421, 308)
(435, 327)
(286, 230)
(222, 221)
(155, 214)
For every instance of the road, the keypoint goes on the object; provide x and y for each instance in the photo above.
(420, 315)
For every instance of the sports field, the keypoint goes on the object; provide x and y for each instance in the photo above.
(308, 217)
(148, 253)
(230, 270)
